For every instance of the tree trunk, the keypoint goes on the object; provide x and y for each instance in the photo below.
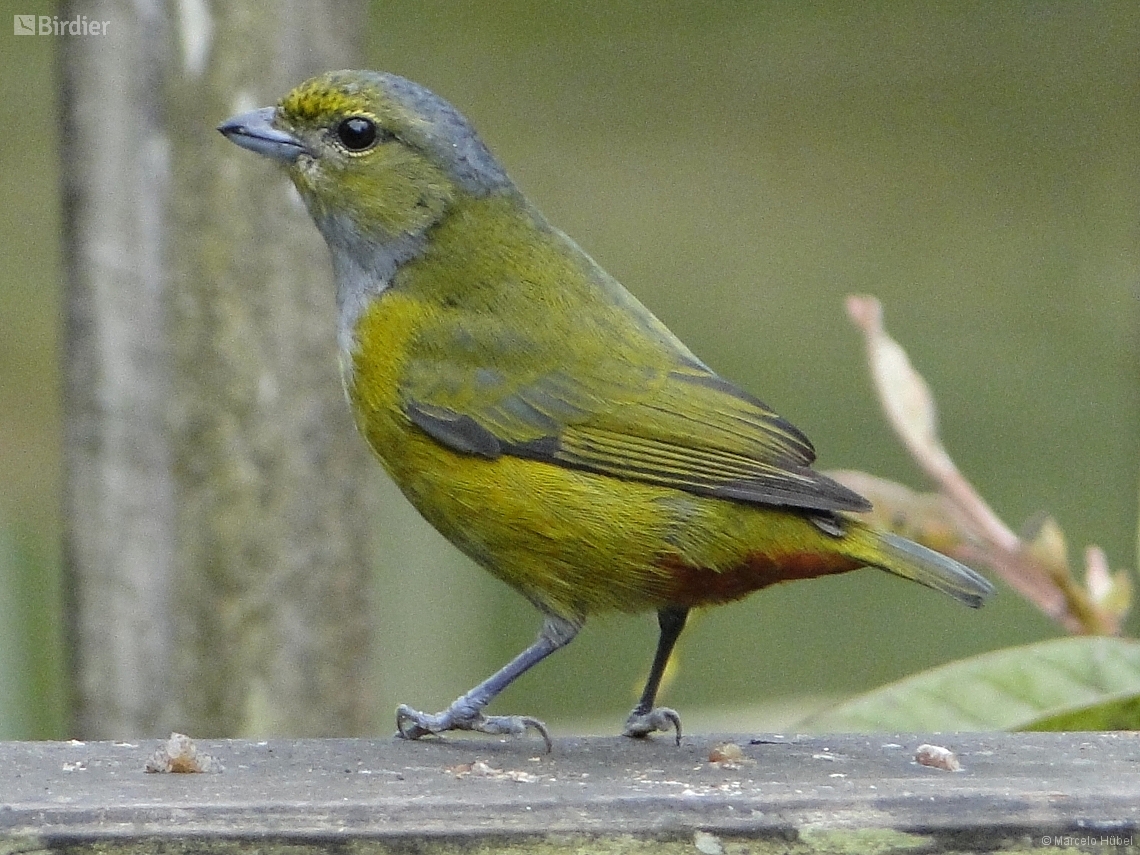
(219, 504)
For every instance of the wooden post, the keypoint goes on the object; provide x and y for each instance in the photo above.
(119, 511)
(219, 505)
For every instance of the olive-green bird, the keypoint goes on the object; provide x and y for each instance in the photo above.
(533, 410)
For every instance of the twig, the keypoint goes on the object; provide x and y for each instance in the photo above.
(1043, 579)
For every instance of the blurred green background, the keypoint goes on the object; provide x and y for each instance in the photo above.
(741, 167)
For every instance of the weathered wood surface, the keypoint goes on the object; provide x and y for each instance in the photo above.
(1014, 790)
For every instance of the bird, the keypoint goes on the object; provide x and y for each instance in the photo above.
(534, 411)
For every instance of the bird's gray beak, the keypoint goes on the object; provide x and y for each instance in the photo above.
(254, 130)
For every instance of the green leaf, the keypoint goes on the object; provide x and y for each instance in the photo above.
(1076, 683)
(1121, 714)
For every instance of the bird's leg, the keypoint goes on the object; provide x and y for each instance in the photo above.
(645, 718)
(466, 712)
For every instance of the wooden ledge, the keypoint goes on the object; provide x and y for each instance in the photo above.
(1077, 790)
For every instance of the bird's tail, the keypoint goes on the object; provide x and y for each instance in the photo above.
(909, 560)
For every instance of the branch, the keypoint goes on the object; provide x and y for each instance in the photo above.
(1035, 565)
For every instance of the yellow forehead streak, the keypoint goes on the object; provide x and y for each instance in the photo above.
(321, 99)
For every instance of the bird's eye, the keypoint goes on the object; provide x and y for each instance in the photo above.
(357, 133)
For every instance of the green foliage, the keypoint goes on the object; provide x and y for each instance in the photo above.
(1078, 683)
(1115, 714)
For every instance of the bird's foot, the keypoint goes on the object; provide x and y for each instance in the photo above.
(640, 724)
(412, 724)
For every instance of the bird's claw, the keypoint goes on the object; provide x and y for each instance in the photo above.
(412, 724)
(659, 719)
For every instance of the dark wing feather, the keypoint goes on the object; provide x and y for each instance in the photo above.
(688, 429)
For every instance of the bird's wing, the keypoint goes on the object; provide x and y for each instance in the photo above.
(674, 424)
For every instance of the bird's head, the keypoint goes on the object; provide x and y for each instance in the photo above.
(374, 156)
